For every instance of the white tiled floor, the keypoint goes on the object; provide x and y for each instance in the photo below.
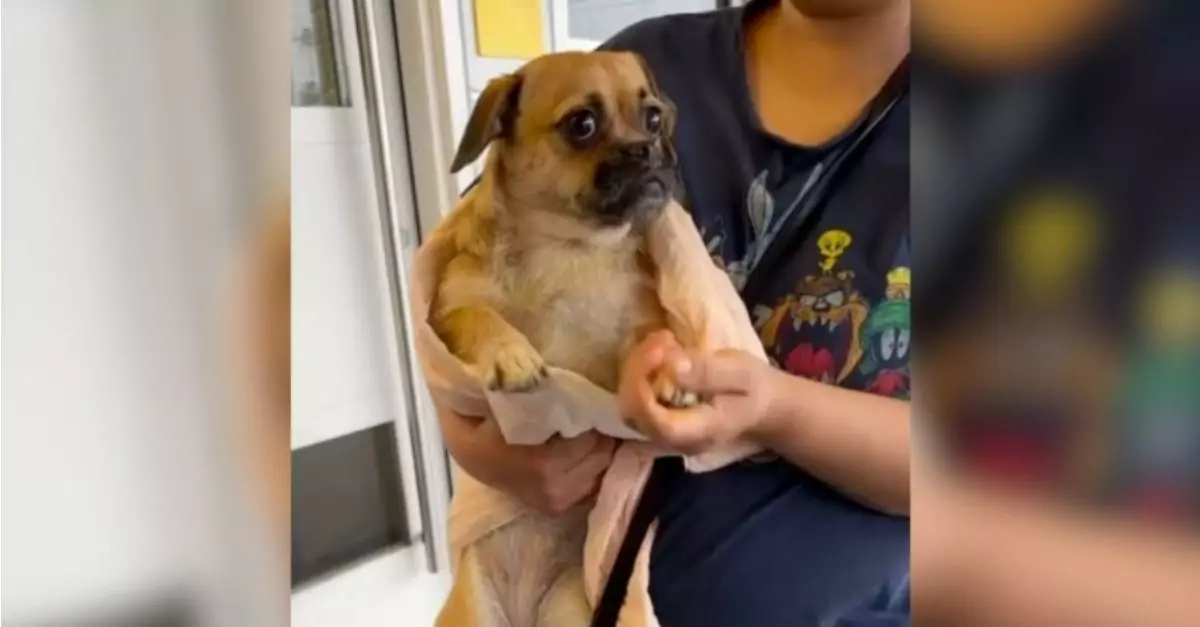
(388, 590)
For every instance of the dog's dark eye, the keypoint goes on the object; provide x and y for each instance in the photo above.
(653, 120)
(581, 125)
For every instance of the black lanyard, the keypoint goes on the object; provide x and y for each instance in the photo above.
(663, 477)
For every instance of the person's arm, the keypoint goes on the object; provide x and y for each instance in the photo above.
(989, 559)
(857, 442)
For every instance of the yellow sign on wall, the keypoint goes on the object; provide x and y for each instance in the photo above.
(509, 29)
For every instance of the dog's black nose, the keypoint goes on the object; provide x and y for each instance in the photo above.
(639, 151)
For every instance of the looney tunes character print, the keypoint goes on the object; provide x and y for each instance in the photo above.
(759, 207)
(824, 329)
(815, 332)
(887, 337)
(1157, 448)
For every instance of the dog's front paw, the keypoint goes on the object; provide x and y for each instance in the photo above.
(669, 394)
(514, 366)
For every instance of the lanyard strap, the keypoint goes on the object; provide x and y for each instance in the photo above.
(663, 477)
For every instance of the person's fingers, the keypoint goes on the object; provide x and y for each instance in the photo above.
(639, 404)
(676, 358)
(659, 339)
(563, 453)
(602, 449)
(597, 466)
(569, 453)
(635, 396)
(595, 463)
(649, 355)
(688, 431)
(713, 374)
(583, 480)
(671, 427)
(542, 468)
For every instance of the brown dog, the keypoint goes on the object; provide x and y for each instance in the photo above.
(550, 269)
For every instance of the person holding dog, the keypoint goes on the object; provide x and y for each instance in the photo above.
(792, 140)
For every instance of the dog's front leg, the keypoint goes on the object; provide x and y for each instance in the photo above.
(475, 332)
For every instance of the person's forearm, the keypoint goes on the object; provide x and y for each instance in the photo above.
(458, 434)
(998, 560)
(855, 441)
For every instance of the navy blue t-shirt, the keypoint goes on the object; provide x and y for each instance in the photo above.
(763, 543)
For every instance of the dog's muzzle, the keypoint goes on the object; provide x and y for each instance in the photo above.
(637, 181)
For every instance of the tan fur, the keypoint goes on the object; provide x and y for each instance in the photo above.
(530, 300)
(536, 282)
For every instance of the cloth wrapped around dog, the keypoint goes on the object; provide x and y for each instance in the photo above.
(703, 310)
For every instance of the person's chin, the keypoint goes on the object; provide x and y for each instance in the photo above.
(837, 9)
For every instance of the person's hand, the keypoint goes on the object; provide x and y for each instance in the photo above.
(738, 392)
(555, 476)
(552, 477)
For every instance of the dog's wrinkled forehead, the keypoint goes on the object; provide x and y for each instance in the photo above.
(556, 84)
(528, 104)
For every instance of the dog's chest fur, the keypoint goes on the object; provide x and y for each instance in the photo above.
(582, 305)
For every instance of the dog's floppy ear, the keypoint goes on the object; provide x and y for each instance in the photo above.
(668, 107)
(494, 114)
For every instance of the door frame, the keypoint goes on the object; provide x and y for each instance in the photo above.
(375, 121)
(399, 205)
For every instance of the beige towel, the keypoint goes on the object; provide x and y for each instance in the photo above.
(703, 310)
